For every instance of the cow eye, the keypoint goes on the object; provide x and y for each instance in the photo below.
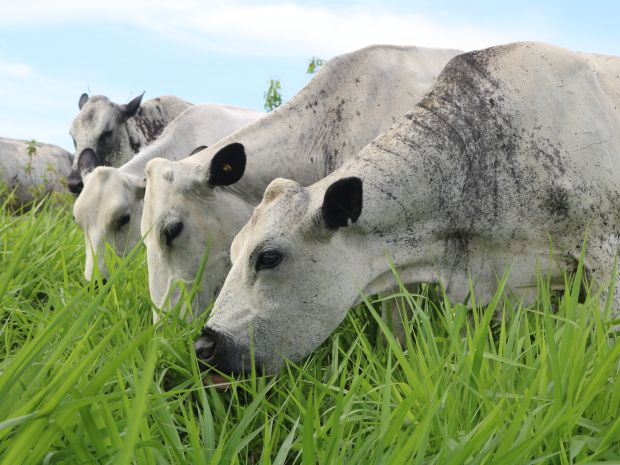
(172, 231)
(123, 220)
(268, 259)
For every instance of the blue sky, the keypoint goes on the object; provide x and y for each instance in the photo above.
(226, 51)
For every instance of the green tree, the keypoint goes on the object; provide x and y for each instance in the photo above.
(31, 151)
(273, 97)
(314, 65)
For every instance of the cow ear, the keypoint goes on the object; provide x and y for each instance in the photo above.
(83, 100)
(197, 149)
(131, 108)
(342, 202)
(227, 165)
(87, 161)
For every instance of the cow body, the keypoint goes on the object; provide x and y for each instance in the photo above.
(351, 100)
(31, 170)
(515, 150)
(109, 207)
(110, 134)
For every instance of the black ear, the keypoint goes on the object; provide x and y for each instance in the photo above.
(342, 202)
(131, 108)
(83, 100)
(227, 165)
(197, 149)
(87, 161)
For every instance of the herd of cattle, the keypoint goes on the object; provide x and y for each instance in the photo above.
(452, 167)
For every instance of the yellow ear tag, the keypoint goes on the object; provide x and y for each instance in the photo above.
(226, 168)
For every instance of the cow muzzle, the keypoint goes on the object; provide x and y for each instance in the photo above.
(74, 182)
(216, 350)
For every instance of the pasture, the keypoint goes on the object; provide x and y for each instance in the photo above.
(86, 378)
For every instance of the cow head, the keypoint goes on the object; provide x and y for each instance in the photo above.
(293, 278)
(189, 212)
(108, 210)
(99, 135)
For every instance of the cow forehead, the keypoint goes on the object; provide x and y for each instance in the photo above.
(103, 181)
(95, 114)
(163, 193)
(102, 192)
(283, 212)
(167, 178)
(159, 175)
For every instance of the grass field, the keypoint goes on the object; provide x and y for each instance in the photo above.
(86, 378)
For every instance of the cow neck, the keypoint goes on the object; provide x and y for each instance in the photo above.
(401, 219)
(277, 146)
(137, 164)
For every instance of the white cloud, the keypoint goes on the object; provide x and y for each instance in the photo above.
(267, 29)
(33, 104)
(14, 69)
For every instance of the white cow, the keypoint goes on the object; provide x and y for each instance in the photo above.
(196, 204)
(109, 207)
(31, 170)
(516, 148)
(108, 134)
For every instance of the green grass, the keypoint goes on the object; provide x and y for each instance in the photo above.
(86, 378)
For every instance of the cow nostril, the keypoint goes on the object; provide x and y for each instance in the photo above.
(76, 187)
(205, 346)
(172, 230)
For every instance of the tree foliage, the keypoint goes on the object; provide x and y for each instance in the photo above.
(314, 64)
(273, 97)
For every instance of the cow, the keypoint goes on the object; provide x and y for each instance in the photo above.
(196, 204)
(109, 134)
(109, 207)
(514, 151)
(30, 170)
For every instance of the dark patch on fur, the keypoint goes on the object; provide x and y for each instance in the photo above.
(463, 115)
(135, 145)
(89, 116)
(150, 128)
(557, 203)
(328, 130)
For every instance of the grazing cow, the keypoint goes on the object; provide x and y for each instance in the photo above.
(515, 148)
(196, 204)
(109, 134)
(109, 207)
(31, 170)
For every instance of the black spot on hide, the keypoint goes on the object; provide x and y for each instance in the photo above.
(557, 202)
